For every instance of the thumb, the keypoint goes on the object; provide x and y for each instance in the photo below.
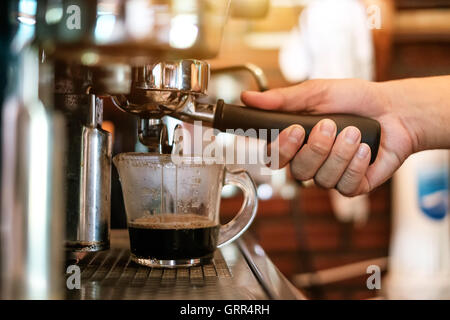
(307, 97)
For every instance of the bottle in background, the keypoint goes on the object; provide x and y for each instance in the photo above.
(419, 262)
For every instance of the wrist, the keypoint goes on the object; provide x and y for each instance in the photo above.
(401, 107)
(422, 105)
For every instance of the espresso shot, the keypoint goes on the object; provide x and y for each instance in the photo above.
(173, 237)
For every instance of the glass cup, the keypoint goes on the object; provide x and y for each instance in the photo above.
(173, 207)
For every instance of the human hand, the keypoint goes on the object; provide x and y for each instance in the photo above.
(340, 162)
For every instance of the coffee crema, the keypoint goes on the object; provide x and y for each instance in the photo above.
(173, 236)
(173, 221)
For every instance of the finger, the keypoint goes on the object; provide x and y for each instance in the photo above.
(270, 100)
(286, 145)
(353, 181)
(307, 96)
(314, 153)
(344, 148)
(385, 165)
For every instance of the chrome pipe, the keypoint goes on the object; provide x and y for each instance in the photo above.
(88, 220)
(32, 199)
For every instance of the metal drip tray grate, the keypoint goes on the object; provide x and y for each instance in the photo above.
(236, 272)
(112, 275)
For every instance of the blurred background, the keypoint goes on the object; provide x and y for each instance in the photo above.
(302, 229)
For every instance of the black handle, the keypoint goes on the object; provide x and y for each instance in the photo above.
(237, 117)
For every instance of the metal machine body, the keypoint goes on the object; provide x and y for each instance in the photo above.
(88, 160)
(32, 199)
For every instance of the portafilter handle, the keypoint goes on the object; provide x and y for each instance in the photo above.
(227, 116)
(172, 88)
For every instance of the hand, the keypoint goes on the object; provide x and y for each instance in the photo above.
(340, 162)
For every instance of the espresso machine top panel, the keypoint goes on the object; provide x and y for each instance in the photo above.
(101, 32)
(240, 270)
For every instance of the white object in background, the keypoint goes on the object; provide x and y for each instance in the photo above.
(347, 209)
(332, 40)
(419, 262)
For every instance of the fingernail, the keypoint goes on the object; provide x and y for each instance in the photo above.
(363, 151)
(327, 128)
(351, 135)
(295, 135)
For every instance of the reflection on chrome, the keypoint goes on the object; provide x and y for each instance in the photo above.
(54, 15)
(183, 31)
(258, 250)
(105, 27)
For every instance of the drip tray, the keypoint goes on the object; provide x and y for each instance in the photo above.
(112, 275)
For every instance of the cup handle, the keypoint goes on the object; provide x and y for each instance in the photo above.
(233, 229)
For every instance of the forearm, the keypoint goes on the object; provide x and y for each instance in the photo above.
(423, 106)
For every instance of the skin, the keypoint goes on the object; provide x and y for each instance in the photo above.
(414, 115)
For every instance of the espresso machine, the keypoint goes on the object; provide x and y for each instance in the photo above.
(150, 58)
